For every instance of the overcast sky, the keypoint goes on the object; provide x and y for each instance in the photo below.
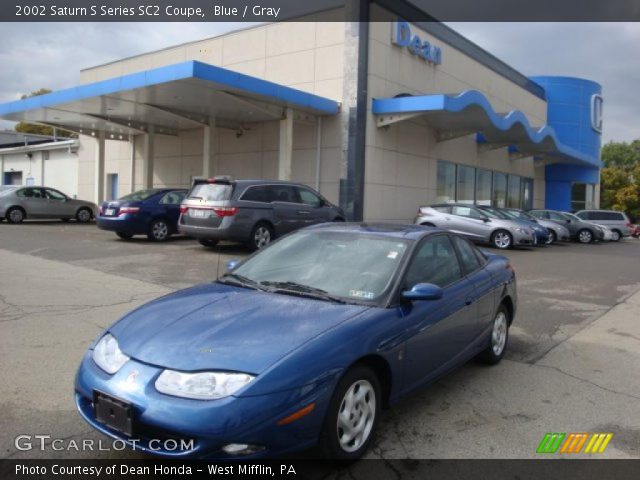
(50, 55)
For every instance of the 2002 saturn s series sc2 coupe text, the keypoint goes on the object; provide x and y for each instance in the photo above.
(303, 343)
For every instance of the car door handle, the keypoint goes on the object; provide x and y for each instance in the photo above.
(468, 301)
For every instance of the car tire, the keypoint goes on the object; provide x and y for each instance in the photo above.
(15, 215)
(502, 239)
(124, 235)
(159, 231)
(616, 235)
(348, 429)
(261, 236)
(498, 338)
(585, 236)
(553, 238)
(205, 242)
(83, 215)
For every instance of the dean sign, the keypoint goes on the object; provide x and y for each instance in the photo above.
(403, 37)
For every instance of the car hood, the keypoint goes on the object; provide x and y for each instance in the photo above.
(221, 327)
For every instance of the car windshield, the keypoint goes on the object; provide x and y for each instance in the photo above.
(492, 213)
(139, 196)
(571, 216)
(6, 189)
(211, 192)
(519, 215)
(346, 266)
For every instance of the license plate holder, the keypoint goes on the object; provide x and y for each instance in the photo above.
(198, 213)
(109, 212)
(113, 412)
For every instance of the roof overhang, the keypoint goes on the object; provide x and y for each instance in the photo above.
(470, 112)
(171, 98)
(63, 144)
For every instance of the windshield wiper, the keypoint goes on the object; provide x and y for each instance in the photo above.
(300, 289)
(239, 280)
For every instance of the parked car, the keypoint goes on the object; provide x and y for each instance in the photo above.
(618, 222)
(581, 231)
(19, 203)
(635, 232)
(604, 233)
(253, 212)
(470, 221)
(540, 234)
(302, 343)
(557, 232)
(153, 212)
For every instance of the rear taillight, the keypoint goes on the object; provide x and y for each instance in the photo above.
(630, 225)
(184, 209)
(225, 211)
(100, 210)
(125, 210)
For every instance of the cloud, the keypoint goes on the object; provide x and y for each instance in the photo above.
(37, 55)
(603, 52)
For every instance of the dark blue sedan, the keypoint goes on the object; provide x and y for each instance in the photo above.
(153, 212)
(303, 343)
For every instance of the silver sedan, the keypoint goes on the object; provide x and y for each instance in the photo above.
(477, 225)
(18, 203)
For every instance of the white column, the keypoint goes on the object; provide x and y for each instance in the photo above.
(147, 161)
(43, 155)
(318, 151)
(285, 153)
(99, 168)
(209, 159)
(1, 169)
(132, 141)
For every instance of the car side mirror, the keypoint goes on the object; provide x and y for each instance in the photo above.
(232, 264)
(423, 291)
(486, 219)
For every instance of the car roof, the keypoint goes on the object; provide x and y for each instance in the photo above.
(394, 230)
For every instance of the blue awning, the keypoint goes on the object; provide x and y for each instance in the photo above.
(470, 112)
(171, 98)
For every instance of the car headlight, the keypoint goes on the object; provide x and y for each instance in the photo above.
(108, 355)
(201, 385)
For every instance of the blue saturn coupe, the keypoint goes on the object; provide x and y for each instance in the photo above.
(301, 344)
(153, 212)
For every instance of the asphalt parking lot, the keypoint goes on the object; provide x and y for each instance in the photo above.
(571, 366)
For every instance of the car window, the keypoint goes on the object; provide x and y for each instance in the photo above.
(468, 258)
(258, 193)
(139, 196)
(466, 212)
(585, 215)
(283, 193)
(442, 208)
(172, 198)
(557, 216)
(30, 193)
(539, 214)
(308, 197)
(435, 262)
(53, 194)
(212, 192)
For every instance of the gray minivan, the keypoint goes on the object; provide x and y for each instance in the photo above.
(252, 212)
(618, 222)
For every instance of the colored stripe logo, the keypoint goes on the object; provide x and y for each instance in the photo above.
(574, 443)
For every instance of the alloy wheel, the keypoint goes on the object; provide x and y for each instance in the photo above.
(499, 333)
(356, 416)
(84, 215)
(160, 231)
(502, 240)
(262, 237)
(585, 236)
(615, 235)
(16, 215)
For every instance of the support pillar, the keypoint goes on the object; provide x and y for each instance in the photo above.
(147, 160)
(1, 169)
(285, 152)
(209, 159)
(99, 168)
(132, 141)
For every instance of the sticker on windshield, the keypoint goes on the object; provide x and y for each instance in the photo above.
(362, 294)
(392, 255)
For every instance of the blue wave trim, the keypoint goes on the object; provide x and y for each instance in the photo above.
(472, 98)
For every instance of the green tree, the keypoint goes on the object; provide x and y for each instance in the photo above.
(24, 127)
(620, 177)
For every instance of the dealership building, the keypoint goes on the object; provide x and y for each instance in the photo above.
(380, 117)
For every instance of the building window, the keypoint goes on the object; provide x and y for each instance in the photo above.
(527, 194)
(499, 190)
(446, 188)
(513, 191)
(483, 187)
(465, 184)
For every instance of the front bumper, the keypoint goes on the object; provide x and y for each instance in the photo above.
(520, 238)
(202, 426)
